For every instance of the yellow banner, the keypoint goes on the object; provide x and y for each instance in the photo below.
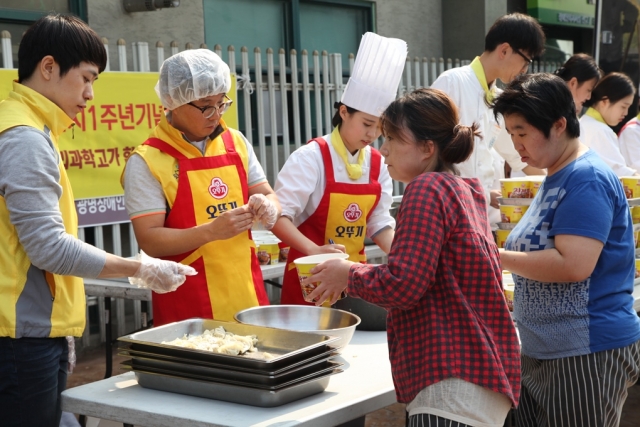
(121, 116)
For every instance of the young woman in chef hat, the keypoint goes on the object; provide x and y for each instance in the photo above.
(336, 190)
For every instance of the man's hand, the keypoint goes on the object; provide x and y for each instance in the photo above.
(231, 223)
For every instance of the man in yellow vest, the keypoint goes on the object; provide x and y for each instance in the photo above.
(194, 189)
(42, 298)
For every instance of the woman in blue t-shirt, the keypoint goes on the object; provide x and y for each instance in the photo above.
(572, 259)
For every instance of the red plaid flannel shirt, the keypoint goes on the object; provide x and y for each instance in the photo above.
(443, 289)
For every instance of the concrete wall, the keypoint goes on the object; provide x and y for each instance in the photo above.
(418, 22)
(182, 24)
(493, 9)
(465, 24)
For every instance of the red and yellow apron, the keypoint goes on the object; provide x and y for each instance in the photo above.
(341, 216)
(229, 278)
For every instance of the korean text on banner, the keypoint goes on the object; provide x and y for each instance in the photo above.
(121, 116)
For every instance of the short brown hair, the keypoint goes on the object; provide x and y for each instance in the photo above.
(430, 115)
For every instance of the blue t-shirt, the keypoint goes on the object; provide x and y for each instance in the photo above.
(557, 320)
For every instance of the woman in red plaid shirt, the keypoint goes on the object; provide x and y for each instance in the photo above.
(453, 346)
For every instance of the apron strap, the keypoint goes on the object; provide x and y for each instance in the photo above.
(165, 148)
(376, 164)
(227, 139)
(326, 158)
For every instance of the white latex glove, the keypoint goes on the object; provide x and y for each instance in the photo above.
(159, 275)
(71, 364)
(264, 211)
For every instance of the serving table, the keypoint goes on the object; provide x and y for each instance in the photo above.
(120, 288)
(364, 386)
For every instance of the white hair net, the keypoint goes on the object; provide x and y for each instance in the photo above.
(191, 75)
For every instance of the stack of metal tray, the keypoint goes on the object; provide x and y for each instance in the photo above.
(300, 363)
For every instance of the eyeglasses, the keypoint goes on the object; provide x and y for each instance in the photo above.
(526, 58)
(209, 111)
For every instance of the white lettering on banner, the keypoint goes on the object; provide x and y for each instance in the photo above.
(571, 18)
(101, 211)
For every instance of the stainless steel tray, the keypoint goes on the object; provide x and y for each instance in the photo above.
(275, 384)
(229, 374)
(232, 393)
(161, 357)
(287, 346)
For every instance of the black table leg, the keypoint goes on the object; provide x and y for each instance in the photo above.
(144, 308)
(107, 324)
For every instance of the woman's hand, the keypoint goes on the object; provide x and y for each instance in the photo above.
(494, 198)
(327, 249)
(333, 276)
(231, 223)
(263, 210)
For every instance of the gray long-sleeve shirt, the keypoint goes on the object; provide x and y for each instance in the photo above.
(29, 183)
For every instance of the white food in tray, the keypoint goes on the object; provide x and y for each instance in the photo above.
(217, 341)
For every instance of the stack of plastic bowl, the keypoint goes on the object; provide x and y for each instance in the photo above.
(269, 248)
(631, 186)
(509, 288)
(517, 195)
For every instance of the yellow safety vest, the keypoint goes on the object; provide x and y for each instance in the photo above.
(23, 312)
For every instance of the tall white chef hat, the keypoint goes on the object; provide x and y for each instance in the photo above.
(376, 74)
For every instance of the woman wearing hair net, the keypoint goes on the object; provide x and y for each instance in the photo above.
(194, 189)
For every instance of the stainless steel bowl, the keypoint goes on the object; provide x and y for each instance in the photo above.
(303, 318)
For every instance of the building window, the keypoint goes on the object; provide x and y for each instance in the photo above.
(332, 25)
(17, 15)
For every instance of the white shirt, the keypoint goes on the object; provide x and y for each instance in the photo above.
(464, 88)
(301, 184)
(601, 139)
(462, 401)
(629, 141)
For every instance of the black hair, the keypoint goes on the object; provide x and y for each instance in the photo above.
(614, 87)
(68, 39)
(337, 119)
(581, 66)
(542, 99)
(430, 115)
(521, 31)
